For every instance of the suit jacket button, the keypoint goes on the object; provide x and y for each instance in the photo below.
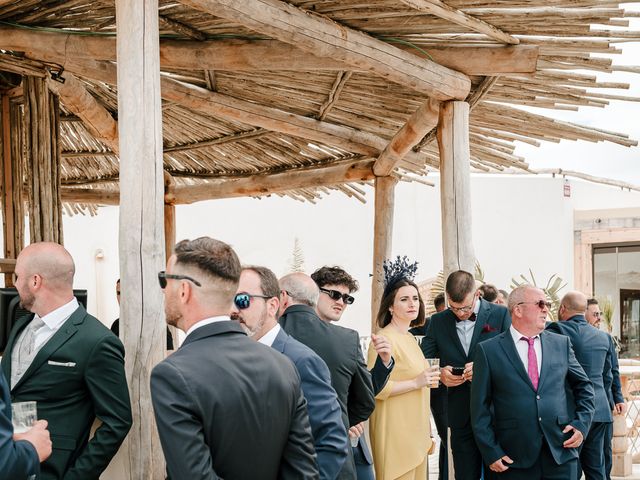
(539, 419)
(538, 397)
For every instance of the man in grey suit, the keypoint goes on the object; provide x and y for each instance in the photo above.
(225, 406)
(255, 307)
(524, 422)
(592, 350)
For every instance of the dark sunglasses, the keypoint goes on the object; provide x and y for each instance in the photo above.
(540, 303)
(243, 300)
(163, 276)
(336, 295)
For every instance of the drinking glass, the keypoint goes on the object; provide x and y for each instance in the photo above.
(434, 365)
(24, 415)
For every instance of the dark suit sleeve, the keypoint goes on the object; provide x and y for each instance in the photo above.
(583, 393)
(298, 457)
(506, 321)
(429, 345)
(380, 374)
(361, 400)
(18, 460)
(181, 435)
(481, 409)
(616, 386)
(325, 416)
(107, 384)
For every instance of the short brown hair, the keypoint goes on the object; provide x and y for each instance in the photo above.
(459, 285)
(384, 315)
(211, 256)
(488, 292)
(334, 276)
(592, 301)
(268, 280)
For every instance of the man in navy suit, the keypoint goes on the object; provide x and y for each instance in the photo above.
(255, 307)
(593, 316)
(592, 350)
(453, 336)
(20, 453)
(525, 423)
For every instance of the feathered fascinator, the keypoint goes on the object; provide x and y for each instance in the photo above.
(396, 270)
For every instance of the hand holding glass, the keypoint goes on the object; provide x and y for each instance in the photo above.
(23, 415)
(434, 367)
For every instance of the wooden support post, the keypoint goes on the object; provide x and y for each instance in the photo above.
(6, 186)
(170, 230)
(42, 132)
(382, 238)
(455, 180)
(142, 324)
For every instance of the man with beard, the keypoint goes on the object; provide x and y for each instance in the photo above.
(225, 406)
(69, 363)
(255, 307)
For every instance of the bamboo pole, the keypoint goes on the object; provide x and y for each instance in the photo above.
(382, 238)
(455, 188)
(141, 241)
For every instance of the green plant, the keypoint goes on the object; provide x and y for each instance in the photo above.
(296, 264)
(606, 307)
(551, 290)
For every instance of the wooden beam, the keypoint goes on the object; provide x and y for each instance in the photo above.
(325, 38)
(382, 237)
(230, 108)
(141, 239)
(95, 117)
(181, 28)
(6, 187)
(254, 185)
(442, 10)
(7, 265)
(455, 187)
(257, 55)
(417, 126)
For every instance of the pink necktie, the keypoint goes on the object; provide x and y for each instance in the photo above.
(533, 362)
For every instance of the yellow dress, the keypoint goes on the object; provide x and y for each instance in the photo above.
(400, 425)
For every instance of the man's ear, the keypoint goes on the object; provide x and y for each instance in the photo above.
(185, 292)
(273, 305)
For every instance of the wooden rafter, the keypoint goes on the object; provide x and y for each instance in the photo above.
(442, 10)
(95, 117)
(424, 119)
(293, 179)
(254, 55)
(334, 95)
(181, 28)
(325, 38)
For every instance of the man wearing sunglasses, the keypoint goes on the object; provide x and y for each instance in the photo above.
(338, 347)
(531, 401)
(336, 287)
(594, 351)
(225, 406)
(256, 308)
(453, 336)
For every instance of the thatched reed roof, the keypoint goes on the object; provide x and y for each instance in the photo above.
(545, 54)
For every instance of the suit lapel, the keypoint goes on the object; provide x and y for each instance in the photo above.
(506, 342)
(546, 353)
(15, 332)
(481, 320)
(64, 333)
(280, 341)
(450, 326)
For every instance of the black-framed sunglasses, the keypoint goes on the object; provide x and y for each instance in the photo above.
(540, 303)
(336, 295)
(243, 300)
(163, 276)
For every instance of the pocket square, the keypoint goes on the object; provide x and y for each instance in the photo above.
(61, 364)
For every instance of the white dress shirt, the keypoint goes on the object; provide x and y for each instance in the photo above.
(269, 337)
(465, 329)
(207, 321)
(52, 323)
(522, 346)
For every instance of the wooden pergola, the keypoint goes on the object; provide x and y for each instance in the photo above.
(154, 103)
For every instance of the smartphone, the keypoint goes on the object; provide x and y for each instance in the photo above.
(457, 371)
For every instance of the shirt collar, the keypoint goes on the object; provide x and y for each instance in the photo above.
(517, 336)
(269, 337)
(476, 308)
(54, 319)
(207, 321)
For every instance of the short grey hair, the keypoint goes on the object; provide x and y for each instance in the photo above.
(518, 295)
(301, 288)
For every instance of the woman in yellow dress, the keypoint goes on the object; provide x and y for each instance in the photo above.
(400, 427)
